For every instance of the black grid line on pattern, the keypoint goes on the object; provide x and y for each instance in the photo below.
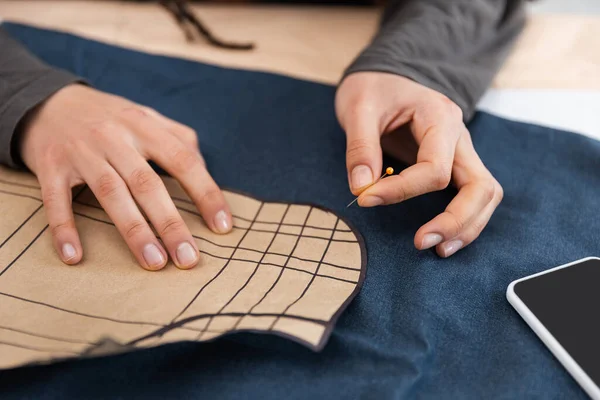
(20, 195)
(281, 254)
(19, 184)
(23, 251)
(266, 222)
(231, 258)
(250, 228)
(247, 248)
(38, 335)
(81, 314)
(160, 327)
(146, 323)
(34, 348)
(34, 239)
(174, 198)
(22, 225)
(220, 271)
(277, 223)
(312, 279)
(257, 264)
(237, 217)
(280, 272)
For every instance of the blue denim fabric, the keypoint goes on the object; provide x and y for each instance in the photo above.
(422, 327)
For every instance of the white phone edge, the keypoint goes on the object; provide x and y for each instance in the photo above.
(553, 345)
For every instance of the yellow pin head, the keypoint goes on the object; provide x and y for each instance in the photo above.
(389, 170)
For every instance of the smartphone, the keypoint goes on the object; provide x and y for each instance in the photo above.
(562, 306)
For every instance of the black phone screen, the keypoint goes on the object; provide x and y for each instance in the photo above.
(567, 303)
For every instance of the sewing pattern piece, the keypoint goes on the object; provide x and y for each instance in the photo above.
(285, 269)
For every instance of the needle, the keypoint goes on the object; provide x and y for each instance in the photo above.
(388, 171)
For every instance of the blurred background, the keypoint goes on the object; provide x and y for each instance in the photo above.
(552, 76)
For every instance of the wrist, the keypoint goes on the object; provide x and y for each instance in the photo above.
(22, 142)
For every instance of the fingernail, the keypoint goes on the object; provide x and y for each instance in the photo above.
(451, 247)
(153, 256)
(430, 240)
(361, 176)
(370, 201)
(69, 252)
(186, 255)
(222, 222)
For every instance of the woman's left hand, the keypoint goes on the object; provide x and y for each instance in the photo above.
(425, 129)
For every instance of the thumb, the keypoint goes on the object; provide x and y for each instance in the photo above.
(363, 150)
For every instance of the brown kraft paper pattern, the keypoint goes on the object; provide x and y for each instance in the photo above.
(285, 269)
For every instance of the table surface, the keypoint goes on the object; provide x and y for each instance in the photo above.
(314, 42)
(556, 51)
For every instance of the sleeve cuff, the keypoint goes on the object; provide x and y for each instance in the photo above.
(365, 63)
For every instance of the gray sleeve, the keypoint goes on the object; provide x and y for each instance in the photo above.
(452, 46)
(25, 82)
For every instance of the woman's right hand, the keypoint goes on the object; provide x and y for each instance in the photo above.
(81, 135)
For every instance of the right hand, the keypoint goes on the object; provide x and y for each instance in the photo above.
(81, 135)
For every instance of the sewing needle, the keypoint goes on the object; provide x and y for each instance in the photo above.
(388, 171)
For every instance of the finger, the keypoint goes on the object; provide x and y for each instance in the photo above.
(431, 173)
(471, 232)
(477, 189)
(56, 195)
(187, 166)
(465, 208)
(114, 197)
(151, 194)
(363, 148)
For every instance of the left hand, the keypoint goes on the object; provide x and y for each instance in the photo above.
(425, 129)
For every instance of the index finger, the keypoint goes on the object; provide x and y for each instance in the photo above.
(186, 165)
(363, 148)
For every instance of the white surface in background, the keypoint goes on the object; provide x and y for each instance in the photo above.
(584, 7)
(570, 110)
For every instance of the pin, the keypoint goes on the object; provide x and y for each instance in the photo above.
(388, 171)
